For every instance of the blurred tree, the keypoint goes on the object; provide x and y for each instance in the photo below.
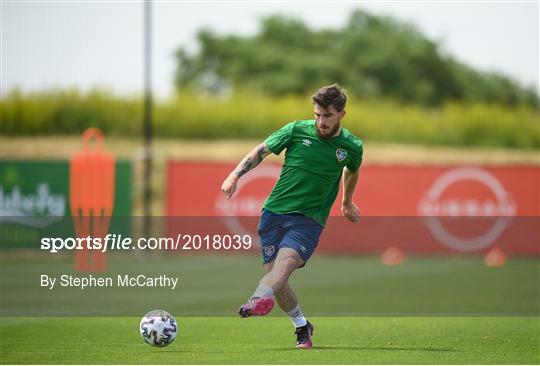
(372, 56)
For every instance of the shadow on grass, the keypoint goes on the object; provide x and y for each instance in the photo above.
(333, 348)
(199, 351)
(343, 348)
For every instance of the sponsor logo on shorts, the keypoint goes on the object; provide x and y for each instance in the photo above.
(341, 154)
(303, 248)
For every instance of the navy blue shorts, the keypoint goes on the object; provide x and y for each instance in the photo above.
(294, 231)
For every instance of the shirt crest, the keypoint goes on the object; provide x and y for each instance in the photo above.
(341, 154)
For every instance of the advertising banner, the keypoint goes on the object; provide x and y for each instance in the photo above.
(34, 197)
(426, 209)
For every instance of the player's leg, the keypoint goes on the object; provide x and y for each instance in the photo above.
(286, 262)
(270, 232)
(301, 235)
(298, 243)
(295, 237)
(262, 301)
(288, 302)
(285, 298)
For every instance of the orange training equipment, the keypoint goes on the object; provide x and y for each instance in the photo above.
(91, 184)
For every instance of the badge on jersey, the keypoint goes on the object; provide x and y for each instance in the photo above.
(341, 154)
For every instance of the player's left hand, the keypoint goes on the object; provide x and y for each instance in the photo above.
(351, 212)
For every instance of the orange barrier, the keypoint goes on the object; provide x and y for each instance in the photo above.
(423, 209)
(91, 182)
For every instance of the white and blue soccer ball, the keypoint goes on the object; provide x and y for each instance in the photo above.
(158, 328)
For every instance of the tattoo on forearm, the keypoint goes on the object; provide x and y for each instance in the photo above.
(252, 160)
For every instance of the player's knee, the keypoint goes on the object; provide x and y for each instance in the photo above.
(288, 264)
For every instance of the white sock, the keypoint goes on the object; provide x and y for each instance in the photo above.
(297, 317)
(263, 291)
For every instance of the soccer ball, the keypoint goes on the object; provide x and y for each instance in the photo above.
(158, 328)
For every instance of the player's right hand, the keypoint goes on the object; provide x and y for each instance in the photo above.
(229, 185)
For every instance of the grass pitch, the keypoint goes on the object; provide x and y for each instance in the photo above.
(408, 301)
(212, 285)
(212, 340)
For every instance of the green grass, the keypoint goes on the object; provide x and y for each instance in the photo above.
(329, 286)
(439, 310)
(210, 340)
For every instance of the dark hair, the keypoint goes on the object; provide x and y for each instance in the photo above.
(330, 95)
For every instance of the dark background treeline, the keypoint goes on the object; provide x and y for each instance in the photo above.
(402, 88)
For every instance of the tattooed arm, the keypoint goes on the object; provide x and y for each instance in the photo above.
(250, 161)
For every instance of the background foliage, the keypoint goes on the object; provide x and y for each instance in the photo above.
(250, 115)
(373, 56)
(401, 88)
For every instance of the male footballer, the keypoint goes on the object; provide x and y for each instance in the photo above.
(293, 216)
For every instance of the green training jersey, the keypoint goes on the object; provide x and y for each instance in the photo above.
(310, 176)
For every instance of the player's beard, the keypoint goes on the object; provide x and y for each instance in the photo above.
(326, 134)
